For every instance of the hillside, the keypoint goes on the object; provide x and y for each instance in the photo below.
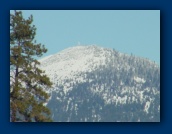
(95, 84)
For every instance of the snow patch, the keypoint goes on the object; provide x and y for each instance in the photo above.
(139, 80)
(146, 108)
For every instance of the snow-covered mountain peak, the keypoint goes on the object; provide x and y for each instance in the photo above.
(76, 52)
(94, 80)
(69, 63)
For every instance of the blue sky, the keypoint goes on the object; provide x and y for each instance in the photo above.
(128, 31)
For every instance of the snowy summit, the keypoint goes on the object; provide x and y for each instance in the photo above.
(89, 80)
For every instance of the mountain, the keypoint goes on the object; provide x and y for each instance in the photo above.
(96, 84)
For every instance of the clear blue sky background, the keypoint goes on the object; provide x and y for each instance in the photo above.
(128, 31)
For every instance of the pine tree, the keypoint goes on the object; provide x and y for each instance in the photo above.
(27, 82)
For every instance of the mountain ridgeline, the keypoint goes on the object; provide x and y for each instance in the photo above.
(95, 84)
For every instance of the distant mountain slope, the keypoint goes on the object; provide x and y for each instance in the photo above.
(95, 84)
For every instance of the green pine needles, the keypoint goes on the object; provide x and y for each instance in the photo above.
(27, 82)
